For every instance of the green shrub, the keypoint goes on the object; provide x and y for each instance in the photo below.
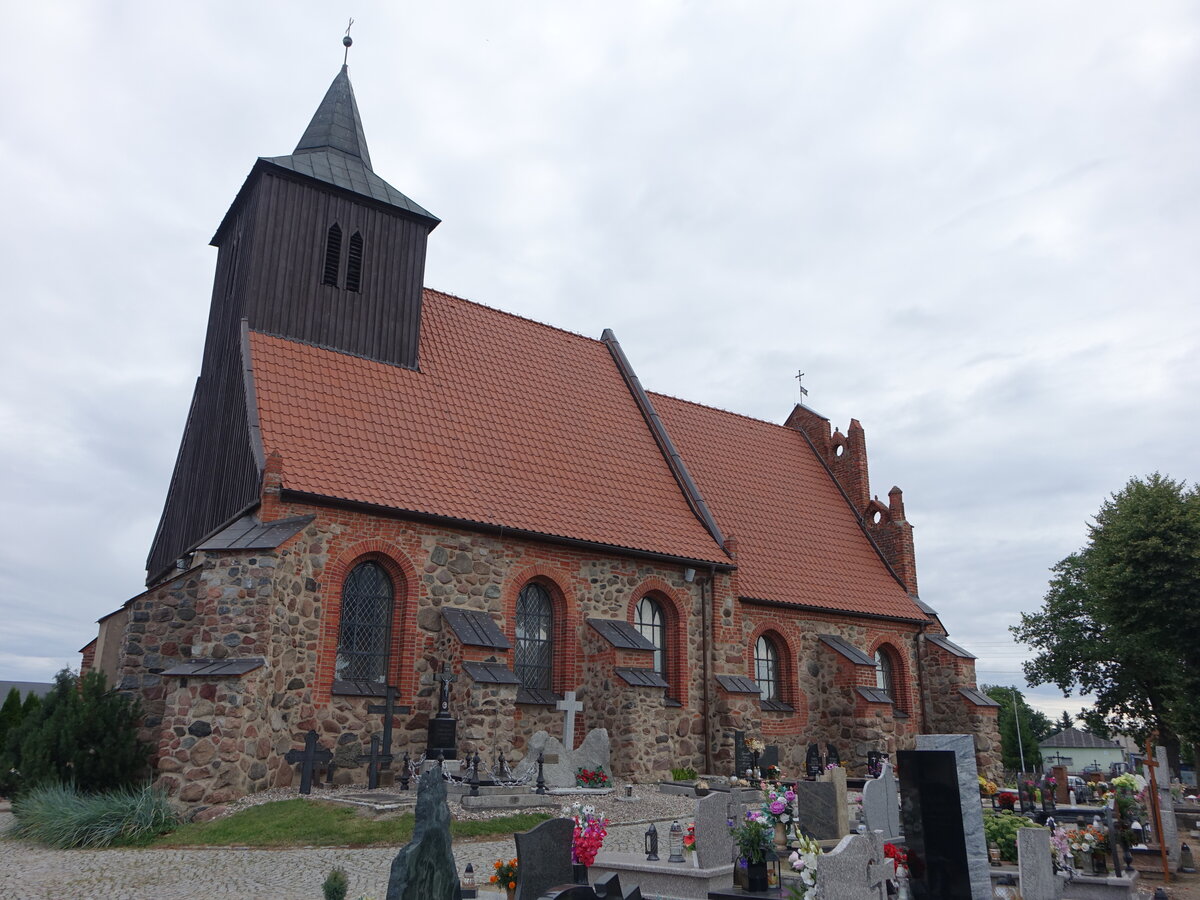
(82, 733)
(687, 773)
(61, 816)
(1001, 828)
(336, 884)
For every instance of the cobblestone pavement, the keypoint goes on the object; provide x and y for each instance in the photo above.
(32, 872)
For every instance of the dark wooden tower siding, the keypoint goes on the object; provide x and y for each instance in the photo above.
(283, 269)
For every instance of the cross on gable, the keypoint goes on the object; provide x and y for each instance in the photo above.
(308, 758)
(569, 705)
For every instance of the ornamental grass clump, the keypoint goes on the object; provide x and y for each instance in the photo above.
(60, 816)
(336, 884)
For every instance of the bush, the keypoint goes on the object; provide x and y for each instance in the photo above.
(60, 816)
(82, 734)
(687, 773)
(336, 884)
(1002, 829)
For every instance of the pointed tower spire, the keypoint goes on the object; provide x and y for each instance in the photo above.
(336, 124)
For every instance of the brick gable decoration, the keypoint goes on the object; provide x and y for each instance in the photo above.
(469, 455)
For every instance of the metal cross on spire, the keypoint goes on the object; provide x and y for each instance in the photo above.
(346, 42)
(803, 389)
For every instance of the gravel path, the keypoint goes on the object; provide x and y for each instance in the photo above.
(32, 872)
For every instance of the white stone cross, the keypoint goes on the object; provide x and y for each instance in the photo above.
(570, 706)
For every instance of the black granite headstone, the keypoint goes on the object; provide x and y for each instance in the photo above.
(442, 738)
(932, 816)
(812, 762)
(544, 858)
(607, 888)
(424, 868)
(831, 756)
(741, 755)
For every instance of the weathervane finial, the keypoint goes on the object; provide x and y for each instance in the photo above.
(803, 389)
(346, 42)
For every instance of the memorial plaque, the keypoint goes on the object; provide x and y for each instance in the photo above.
(442, 738)
(931, 811)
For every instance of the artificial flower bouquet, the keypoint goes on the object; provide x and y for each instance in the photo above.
(591, 778)
(505, 875)
(591, 827)
(804, 862)
(777, 805)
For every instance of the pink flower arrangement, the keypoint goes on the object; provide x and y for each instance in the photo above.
(590, 830)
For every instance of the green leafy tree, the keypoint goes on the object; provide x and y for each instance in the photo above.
(1034, 727)
(1118, 620)
(82, 734)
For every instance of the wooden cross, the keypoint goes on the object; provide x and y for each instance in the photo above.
(308, 758)
(446, 680)
(388, 710)
(373, 760)
(1152, 764)
(570, 706)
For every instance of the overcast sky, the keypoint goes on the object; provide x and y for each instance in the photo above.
(973, 226)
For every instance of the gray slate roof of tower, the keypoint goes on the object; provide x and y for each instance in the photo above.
(333, 149)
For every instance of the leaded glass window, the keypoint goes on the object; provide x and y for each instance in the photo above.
(366, 626)
(534, 655)
(883, 672)
(766, 668)
(648, 618)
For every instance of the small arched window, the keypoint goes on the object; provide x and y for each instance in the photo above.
(534, 655)
(884, 673)
(365, 632)
(354, 263)
(333, 255)
(766, 668)
(649, 620)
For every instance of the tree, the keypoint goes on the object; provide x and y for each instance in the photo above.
(1119, 619)
(1065, 721)
(82, 733)
(1019, 744)
(10, 714)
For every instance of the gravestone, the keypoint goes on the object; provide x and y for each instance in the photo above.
(856, 869)
(875, 761)
(309, 758)
(543, 858)
(561, 764)
(881, 811)
(842, 812)
(1166, 805)
(1038, 881)
(743, 759)
(388, 710)
(821, 808)
(1062, 787)
(443, 727)
(424, 868)
(713, 841)
(812, 762)
(608, 888)
(374, 760)
(831, 756)
(943, 820)
(569, 705)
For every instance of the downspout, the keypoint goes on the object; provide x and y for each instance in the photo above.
(706, 603)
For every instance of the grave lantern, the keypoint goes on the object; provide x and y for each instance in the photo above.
(468, 882)
(773, 868)
(675, 843)
(651, 843)
(1137, 830)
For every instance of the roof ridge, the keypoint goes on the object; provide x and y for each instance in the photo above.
(513, 315)
(722, 409)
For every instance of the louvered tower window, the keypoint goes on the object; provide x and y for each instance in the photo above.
(354, 260)
(333, 255)
(535, 649)
(766, 668)
(366, 626)
(649, 621)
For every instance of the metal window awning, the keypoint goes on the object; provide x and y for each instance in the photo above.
(641, 677)
(215, 668)
(490, 673)
(475, 628)
(739, 684)
(621, 634)
(845, 648)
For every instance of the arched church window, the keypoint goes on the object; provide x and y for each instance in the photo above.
(649, 620)
(333, 255)
(366, 625)
(354, 262)
(533, 659)
(766, 668)
(884, 673)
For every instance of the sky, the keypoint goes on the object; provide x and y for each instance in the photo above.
(972, 226)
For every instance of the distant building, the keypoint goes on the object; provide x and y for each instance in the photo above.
(1081, 752)
(25, 688)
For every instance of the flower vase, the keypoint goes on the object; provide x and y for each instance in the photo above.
(756, 877)
(510, 893)
(780, 836)
(579, 873)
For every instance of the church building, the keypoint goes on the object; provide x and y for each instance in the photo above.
(377, 480)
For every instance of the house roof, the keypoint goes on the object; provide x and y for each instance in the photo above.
(507, 423)
(1073, 737)
(798, 541)
(512, 423)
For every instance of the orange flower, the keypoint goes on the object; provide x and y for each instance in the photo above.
(512, 885)
(493, 879)
(513, 861)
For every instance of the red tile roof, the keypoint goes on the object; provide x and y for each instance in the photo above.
(508, 422)
(797, 539)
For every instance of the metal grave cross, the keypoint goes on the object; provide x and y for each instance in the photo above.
(388, 710)
(373, 761)
(308, 758)
(446, 680)
(570, 706)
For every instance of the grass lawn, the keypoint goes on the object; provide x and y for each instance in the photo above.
(291, 823)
